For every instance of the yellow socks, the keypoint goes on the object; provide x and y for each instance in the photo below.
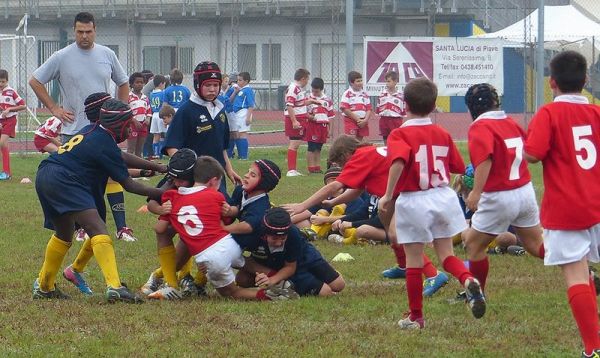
(338, 210)
(158, 273)
(168, 263)
(350, 237)
(55, 253)
(105, 255)
(112, 188)
(323, 229)
(185, 270)
(83, 257)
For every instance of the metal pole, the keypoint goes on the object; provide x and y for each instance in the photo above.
(270, 73)
(349, 35)
(539, 58)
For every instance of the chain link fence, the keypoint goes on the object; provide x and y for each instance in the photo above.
(270, 39)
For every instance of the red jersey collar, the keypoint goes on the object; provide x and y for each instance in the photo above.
(194, 189)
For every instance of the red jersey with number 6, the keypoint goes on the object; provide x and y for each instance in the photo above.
(367, 169)
(428, 152)
(196, 216)
(565, 136)
(497, 136)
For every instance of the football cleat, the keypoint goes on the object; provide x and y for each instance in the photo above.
(475, 297)
(293, 173)
(515, 250)
(126, 234)
(53, 294)
(166, 292)
(6, 176)
(188, 287)
(407, 323)
(151, 285)
(275, 293)
(81, 235)
(394, 272)
(122, 294)
(595, 354)
(77, 279)
(433, 284)
(309, 234)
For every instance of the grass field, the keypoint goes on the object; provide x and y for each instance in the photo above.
(527, 311)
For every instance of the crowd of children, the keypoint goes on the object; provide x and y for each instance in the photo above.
(398, 194)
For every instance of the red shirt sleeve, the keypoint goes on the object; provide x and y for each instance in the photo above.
(355, 171)
(539, 135)
(481, 144)
(397, 147)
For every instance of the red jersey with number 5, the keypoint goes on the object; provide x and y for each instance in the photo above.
(428, 152)
(367, 169)
(496, 136)
(196, 216)
(565, 136)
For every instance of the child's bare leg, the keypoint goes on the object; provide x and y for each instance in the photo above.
(532, 240)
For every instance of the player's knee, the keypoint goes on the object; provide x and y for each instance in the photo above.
(338, 284)
(326, 291)
(506, 239)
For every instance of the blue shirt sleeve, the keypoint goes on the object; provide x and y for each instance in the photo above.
(176, 133)
(111, 161)
(250, 103)
(293, 245)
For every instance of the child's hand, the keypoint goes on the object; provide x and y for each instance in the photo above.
(385, 204)
(166, 207)
(225, 208)
(262, 280)
(318, 219)
(361, 123)
(336, 225)
(343, 226)
(4, 113)
(473, 200)
(328, 203)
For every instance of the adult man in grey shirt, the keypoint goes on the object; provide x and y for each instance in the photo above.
(81, 69)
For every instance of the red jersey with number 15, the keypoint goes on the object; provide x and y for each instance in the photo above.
(565, 136)
(367, 169)
(496, 136)
(196, 216)
(428, 152)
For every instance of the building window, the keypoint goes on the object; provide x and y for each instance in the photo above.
(162, 59)
(271, 62)
(246, 59)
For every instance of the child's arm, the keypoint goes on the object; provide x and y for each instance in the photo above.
(320, 220)
(249, 116)
(229, 211)
(161, 226)
(240, 227)
(288, 269)
(315, 199)
(385, 202)
(347, 196)
(292, 115)
(156, 208)
(12, 109)
(348, 113)
(55, 141)
(482, 172)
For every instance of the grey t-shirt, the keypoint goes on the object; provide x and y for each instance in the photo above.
(80, 73)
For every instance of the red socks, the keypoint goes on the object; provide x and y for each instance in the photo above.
(400, 255)
(261, 295)
(315, 169)
(414, 290)
(480, 269)
(292, 155)
(6, 160)
(456, 268)
(542, 252)
(428, 269)
(583, 307)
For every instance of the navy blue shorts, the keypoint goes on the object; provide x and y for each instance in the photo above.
(60, 192)
(308, 280)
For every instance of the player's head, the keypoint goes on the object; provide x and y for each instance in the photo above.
(481, 98)
(3, 78)
(159, 80)
(136, 81)
(84, 27)
(391, 79)
(176, 76)
(224, 81)
(568, 72)
(276, 226)
(243, 78)
(420, 95)
(166, 113)
(207, 171)
(207, 80)
(263, 175)
(332, 172)
(115, 117)
(181, 165)
(301, 76)
(93, 103)
(355, 80)
(317, 85)
(342, 149)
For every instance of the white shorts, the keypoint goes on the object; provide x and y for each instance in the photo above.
(239, 121)
(219, 260)
(423, 216)
(499, 209)
(157, 126)
(567, 246)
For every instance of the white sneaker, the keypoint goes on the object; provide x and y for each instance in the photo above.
(126, 234)
(81, 235)
(166, 293)
(151, 285)
(335, 238)
(293, 173)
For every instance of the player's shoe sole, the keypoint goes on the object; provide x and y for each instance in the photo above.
(475, 298)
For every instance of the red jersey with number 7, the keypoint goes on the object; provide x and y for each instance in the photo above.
(196, 216)
(428, 152)
(565, 136)
(497, 136)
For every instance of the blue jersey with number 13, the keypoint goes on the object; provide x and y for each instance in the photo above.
(176, 95)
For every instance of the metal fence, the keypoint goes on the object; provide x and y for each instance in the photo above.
(270, 39)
